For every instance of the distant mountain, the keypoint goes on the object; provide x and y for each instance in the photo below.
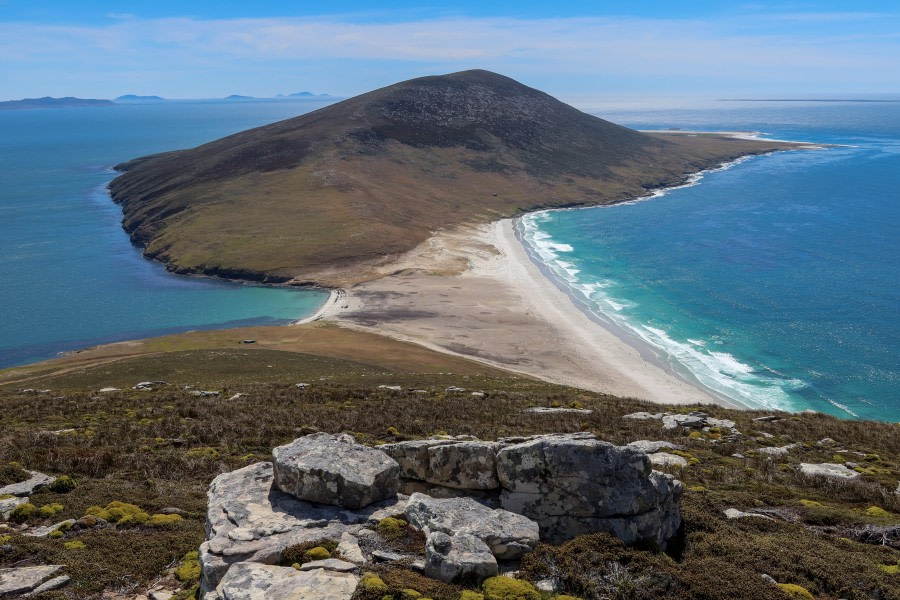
(238, 97)
(48, 102)
(134, 98)
(325, 196)
(304, 95)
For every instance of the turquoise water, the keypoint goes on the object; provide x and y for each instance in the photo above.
(70, 276)
(775, 282)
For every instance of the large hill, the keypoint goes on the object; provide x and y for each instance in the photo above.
(325, 196)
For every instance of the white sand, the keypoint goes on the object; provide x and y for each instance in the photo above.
(474, 292)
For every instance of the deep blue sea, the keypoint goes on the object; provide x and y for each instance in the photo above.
(775, 282)
(69, 276)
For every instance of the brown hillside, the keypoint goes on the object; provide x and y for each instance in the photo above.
(325, 196)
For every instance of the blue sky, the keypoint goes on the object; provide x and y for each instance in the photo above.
(93, 48)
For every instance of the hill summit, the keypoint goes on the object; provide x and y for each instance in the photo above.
(325, 196)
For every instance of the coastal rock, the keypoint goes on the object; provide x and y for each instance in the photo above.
(733, 513)
(461, 558)
(721, 423)
(827, 442)
(21, 580)
(348, 548)
(546, 410)
(693, 420)
(466, 465)
(644, 416)
(45, 531)
(767, 419)
(332, 469)
(576, 484)
(829, 470)
(249, 520)
(49, 586)
(25, 488)
(251, 581)
(329, 564)
(664, 459)
(8, 505)
(651, 447)
(507, 534)
(777, 451)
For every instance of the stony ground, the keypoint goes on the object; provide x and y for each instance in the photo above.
(157, 450)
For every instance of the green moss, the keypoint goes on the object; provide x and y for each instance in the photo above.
(317, 553)
(12, 472)
(878, 513)
(119, 512)
(890, 569)
(75, 545)
(50, 510)
(391, 528)
(470, 595)
(296, 554)
(504, 588)
(23, 512)
(63, 485)
(809, 503)
(372, 583)
(164, 520)
(564, 597)
(796, 592)
(55, 535)
(410, 595)
(4, 539)
(189, 569)
(206, 452)
(393, 432)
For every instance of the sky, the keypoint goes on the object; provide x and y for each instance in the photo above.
(211, 49)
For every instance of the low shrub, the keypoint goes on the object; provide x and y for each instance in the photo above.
(50, 510)
(75, 545)
(12, 472)
(296, 554)
(317, 553)
(189, 569)
(160, 520)
(63, 485)
(371, 582)
(23, 512)
(391, 528)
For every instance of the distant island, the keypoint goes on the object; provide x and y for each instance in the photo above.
(238, 97)
(304, 95)
(48, 102)
(134, 98)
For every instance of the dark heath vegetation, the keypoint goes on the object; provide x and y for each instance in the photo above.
(132, 456)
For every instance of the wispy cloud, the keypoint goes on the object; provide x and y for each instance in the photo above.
(714, 53)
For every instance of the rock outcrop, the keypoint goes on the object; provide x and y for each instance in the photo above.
(551, 487)
(23, 580)
(507, 534)
(830, 470)
(573, 484)
(334, 469)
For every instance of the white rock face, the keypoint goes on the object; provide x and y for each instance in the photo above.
(664, 459)
(461, 558)
(253, 581)
(469, 465)
(334, 469)
(828, 470)
(573, 484)
(247, 520)
(508, 535)
(21, 580)
(25, 488)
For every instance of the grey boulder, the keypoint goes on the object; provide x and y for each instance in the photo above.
(21, 580)
(469, 465)
(508, 535)
(573, 484)
(461, 558)
(334, 469)
(651, 447)
(25, 488)
(830, 470)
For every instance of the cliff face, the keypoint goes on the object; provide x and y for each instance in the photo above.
(324, 196)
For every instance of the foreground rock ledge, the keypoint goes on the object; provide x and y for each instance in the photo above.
(550, 487)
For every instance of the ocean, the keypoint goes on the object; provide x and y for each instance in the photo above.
(774, 282)
(70, 276)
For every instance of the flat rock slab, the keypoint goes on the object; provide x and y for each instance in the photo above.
(49, 585)
(252, 581)
(777, 450)
(25, 488)
(334, 469)
(329, 564)
(461, 558)
(45, 531)
(247, 519)
(831, 470)
(644, 416)
(733, 513)
(651, 447)
(508, 535)
(22, 580)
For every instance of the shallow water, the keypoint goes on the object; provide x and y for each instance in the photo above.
(70, 276)
(774, 282)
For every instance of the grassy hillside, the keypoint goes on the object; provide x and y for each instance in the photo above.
(161, 449)
(325, 196)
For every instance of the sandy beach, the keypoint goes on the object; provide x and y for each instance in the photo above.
(475, 292)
